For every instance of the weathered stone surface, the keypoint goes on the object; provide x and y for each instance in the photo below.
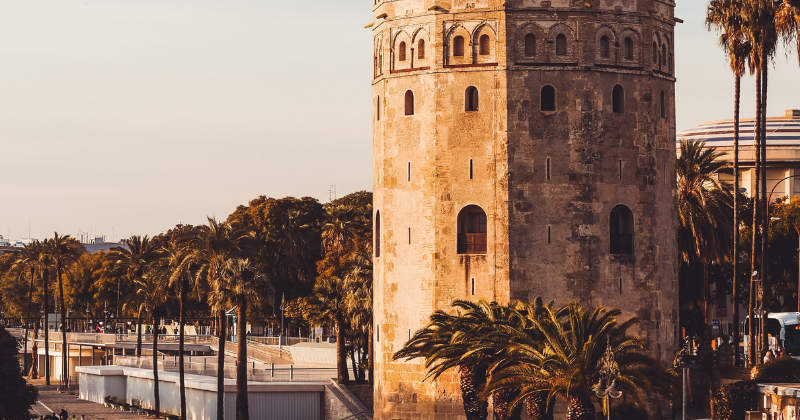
(545, 237)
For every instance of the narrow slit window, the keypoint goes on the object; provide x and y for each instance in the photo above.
(620, 286)
(530, 45)
(548, 100)
(401, 52)
(473, 287)
(409, 333)
(458, 46)
(549, 234)
(409, 102)
(378, 333)
(484, 43)
(378, 108)
(620, 169)
(421, 49)
(618, 98)
(561, 45)
(377, 234)
(409, 236)
(408, 173)
(471, 172)
(547, 169)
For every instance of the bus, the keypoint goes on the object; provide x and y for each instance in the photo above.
(783, 329)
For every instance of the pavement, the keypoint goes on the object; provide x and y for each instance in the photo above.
(50, 400)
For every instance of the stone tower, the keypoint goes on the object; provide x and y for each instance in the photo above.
(522, 148)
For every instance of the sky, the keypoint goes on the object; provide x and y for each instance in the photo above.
(121, 117)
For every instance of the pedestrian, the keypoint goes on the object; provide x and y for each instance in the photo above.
(63, 415)
(769, 356)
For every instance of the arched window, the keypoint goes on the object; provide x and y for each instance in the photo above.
(530, 45)
(471, 99)
(548, 98)
(628, 49)
(421, 49)
(561, 45)
(472, 230)
(663, 57)
(655, 53)
(458, 46)
(409, 102)
(621, 230)
(619, 99)
(377, 234)
(605, 47)
(401, 52)
(484, 45)
(663, 105)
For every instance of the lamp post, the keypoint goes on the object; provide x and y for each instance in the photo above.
(607, 388)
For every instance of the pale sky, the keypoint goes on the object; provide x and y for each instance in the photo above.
(129, 116)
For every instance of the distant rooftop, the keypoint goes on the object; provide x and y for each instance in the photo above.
(782, 132)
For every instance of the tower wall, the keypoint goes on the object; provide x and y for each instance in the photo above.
(508, 140)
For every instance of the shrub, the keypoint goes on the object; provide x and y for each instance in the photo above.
(628, 411)
(782, 369)
(16, 395)
(732, 401)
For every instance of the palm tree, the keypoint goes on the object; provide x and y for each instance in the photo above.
(788, 22)
(565, 356)
(63, 251)
(704, 209)
(30, 261)
(133, 262)
(327, 303)
(726, 17)
(151, 291)
(174, 268)
(337, 232)
(211, 248)
(359, 301)
(239, 283)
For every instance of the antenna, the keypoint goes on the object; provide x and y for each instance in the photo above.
(332, 192)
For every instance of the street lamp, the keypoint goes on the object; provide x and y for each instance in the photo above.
(607, 388)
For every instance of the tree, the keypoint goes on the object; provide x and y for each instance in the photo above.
(30, 263)
(35, 259)
(726, 17)
(16, 395)
(63, 251)
(564, 357)
(133, 263)
(151, 290)
(239, 283)
(212, 247)
(327, 305)
(704, 209)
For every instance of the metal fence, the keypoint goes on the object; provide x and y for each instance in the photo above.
(205, 367)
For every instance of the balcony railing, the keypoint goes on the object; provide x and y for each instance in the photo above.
(472, 243)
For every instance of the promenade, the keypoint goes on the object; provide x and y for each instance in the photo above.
(50, 400)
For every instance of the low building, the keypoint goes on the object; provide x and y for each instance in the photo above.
(783, 151)
(99, 244)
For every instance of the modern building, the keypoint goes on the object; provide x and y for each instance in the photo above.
(521, 148)
(783, 151)
(99, 244)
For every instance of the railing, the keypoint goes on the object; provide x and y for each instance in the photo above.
(275, 341)
(269, 373)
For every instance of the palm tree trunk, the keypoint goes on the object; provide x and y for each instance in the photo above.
(756, 195)
(765, 207)
(46, 332)
(27, 319)
(34, 373)
(64, 353)
(139, 334)
(706, 295)
(242, 409)
(537, 407)
(580, 408)
(353, 363)
(341, 353)
(371, 350)
(471, 379)
(735, 258)
(181, 338)
(501, 402)
(155, 366)
(221, 365)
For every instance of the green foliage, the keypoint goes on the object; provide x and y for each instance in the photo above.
(16, 395)
(628, 411)
(732, 401)
(781, 370)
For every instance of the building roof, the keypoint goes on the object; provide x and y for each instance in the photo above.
(782, 132)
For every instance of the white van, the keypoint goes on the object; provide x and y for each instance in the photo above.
(783, 329)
